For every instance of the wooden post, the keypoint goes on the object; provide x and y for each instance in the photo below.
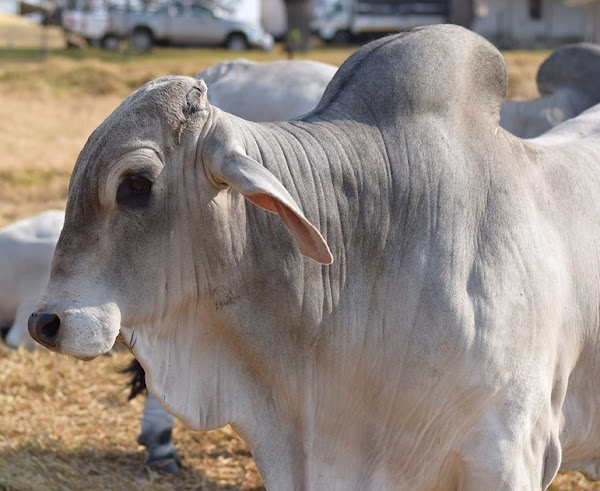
(461, 12)
(297, 35)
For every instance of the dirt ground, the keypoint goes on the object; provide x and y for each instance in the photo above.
(66, 424)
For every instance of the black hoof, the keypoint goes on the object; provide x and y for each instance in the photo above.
(167, 465)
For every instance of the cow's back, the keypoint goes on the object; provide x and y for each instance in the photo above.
(275, 91)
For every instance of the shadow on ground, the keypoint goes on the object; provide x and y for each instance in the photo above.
(31, 468)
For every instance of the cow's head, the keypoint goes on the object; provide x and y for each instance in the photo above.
(154, 232)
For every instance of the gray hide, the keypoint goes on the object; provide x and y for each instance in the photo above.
(569, 83)
(452, 343)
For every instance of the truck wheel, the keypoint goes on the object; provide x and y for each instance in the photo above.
(341, 37)
(142, 39)
(110, 43)
(237, 42)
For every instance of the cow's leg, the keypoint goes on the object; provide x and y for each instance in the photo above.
(18, 335)
(505, 458)
(157, 427)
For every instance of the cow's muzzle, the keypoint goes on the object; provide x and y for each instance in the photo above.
(44, 328)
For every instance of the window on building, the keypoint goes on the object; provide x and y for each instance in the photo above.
(535, 9)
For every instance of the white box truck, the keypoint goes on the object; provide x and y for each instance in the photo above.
(341, 21)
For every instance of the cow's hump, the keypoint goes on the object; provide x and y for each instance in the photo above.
(436, 68)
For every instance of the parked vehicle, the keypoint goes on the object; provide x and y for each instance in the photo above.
(176, 23)
(185, 24)
(341, 21)
(90, 22)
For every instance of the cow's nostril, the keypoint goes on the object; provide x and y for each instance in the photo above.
(44, 328)
(50, 329)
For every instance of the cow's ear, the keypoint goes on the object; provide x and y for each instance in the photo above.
(196, 100)
(262, 188)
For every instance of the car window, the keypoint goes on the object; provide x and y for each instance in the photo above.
(199, 10)
(176, 8)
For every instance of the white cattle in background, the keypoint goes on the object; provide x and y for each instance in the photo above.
(568, 81)
(269, 91)
(445, 333)
(26, 249)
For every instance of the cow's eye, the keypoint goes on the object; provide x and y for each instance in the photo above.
(134, 192)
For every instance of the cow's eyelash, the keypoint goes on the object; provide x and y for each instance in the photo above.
(134, 191)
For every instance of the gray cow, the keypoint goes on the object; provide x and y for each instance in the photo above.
(262, 91)
(451, 343)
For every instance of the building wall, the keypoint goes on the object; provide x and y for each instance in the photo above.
(593, 25)
(513, 23)
(461, 12)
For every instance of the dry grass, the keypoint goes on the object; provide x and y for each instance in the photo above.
(15, 32)
(522, 68)
(65, 424)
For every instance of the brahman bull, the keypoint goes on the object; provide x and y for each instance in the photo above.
(270, 91)
(446, 331)
(265, 91)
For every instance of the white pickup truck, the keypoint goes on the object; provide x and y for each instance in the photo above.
(187, 24)
(177, 23)
(91, 23)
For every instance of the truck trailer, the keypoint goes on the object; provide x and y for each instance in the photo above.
(342, 21)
